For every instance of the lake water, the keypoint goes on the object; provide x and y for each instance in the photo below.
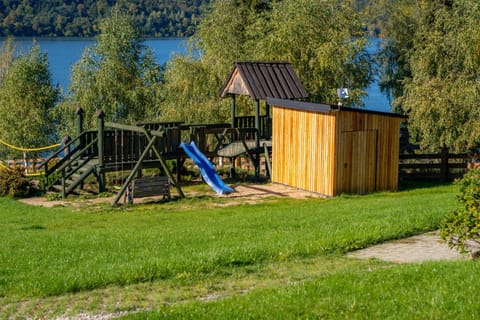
(63, 53)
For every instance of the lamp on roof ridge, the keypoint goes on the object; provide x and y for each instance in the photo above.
(342, 93)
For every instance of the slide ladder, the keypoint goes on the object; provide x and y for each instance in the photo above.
(207, 170)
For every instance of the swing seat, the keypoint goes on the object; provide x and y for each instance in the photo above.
(150, 186)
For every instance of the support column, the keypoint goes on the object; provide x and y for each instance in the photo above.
(257, 139)
(232, 159)
(233, 112)
(268, 129)
(100, 145)
(444, 169)
(257, 123)
(80, 115)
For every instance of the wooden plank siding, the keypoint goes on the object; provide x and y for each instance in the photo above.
(387, 146)
(334, 151)
(303, 150)
(356, 162)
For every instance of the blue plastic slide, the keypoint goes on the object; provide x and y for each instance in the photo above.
(206, 168)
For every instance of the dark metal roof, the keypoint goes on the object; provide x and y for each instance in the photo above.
(323, 108)
(299, 105)
(260, 80)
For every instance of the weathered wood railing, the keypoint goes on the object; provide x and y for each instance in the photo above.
(87, 138)
(203, 135)
(441, 166)
(265, 129)
(124, 145)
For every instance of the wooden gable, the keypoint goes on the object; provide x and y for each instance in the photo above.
(260, 80)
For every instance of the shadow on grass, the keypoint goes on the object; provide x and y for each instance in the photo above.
(409, 185)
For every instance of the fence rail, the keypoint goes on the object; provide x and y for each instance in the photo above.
(439, 166)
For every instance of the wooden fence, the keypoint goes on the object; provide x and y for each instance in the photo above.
(437, 167)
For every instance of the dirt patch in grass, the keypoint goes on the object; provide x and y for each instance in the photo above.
(424, 247)
(244, 193)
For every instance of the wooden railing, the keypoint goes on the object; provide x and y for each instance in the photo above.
(204, 135)
(265, 129)
(441, 166)
(125, 144)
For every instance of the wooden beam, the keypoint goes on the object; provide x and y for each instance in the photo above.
(233, 111)
(164, 165)
(134, 170)
(101, 144)
(138, 129)
(257, 139)
(267, 160)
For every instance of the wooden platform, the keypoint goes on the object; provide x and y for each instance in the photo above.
(237, 148)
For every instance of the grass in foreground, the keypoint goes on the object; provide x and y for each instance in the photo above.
(420, 291)
(61, 252)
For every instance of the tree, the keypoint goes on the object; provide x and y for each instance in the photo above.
(437, 72)
(399, 20)
(27, 98)
(118, 74)
(326, 44)
(322, 39)
(192, 83)
(7, 51)
(69, 18)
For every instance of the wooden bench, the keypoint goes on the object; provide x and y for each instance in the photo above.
(150, 186)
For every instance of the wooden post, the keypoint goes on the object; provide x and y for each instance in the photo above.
(134, 170)
(25, 163)
(80, 115)
(233, 111)
(100, 144)
(268, 130)
(163, 164)
(268, 165)
(257, 139)
(232, 160)
(257, 123)
(444, 164)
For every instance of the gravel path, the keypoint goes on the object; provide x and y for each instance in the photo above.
(425, 247)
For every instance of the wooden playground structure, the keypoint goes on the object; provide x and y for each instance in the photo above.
(115, 147)
(320, 148)
(119, 147)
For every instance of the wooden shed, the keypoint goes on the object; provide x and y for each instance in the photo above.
(333, 150)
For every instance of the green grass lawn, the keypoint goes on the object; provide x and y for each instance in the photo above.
(254, 260)
(421, 291)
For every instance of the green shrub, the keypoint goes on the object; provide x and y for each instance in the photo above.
(14, 183)
(461, 228)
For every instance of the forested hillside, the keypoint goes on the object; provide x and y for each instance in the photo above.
(79, 18)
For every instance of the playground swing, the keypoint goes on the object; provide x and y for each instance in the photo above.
(131, 152)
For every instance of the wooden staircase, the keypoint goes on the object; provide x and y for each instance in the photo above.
(73, 176)
(70, 172)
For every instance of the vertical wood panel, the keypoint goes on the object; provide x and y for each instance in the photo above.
(388, 144)
(310, 149)
(358, 149)
(302, 150)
